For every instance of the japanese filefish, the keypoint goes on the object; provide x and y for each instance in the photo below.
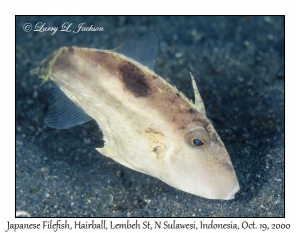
(147, 124)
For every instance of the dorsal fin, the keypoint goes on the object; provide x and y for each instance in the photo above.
(64, 113)
(198, 100)
(142, 49)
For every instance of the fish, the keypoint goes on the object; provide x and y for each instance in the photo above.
(148, 125)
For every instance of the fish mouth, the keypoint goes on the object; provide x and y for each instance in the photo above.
(227, 192)
(231, 195)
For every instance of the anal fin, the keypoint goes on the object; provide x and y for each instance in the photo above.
(63, 113)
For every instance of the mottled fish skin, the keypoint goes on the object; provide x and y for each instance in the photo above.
(145, 121)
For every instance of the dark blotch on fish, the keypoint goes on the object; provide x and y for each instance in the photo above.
(192, 111)
(71, 50)
(134, 80)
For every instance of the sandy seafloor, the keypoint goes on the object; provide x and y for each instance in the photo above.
(238, 63)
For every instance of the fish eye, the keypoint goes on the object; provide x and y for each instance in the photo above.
(197, 138)
(197, 142)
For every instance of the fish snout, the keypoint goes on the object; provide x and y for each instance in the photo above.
(231, 194)
(224, 188)
(234, 191)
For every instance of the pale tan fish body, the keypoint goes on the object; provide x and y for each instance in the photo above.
(148, 125)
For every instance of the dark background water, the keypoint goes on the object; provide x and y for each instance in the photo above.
(238, 63)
